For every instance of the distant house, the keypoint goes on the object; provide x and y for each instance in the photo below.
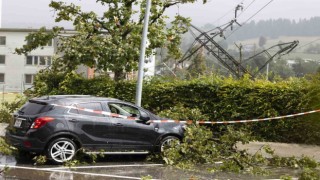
(17, 72)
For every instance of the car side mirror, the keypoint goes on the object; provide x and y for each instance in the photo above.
(134, 115)
(144, 118)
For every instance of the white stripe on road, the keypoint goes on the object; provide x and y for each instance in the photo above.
(73, 172)
(106, 166)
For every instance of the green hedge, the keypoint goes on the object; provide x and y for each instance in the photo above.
(218, 98)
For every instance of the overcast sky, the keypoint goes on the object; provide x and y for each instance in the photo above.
(36, 13)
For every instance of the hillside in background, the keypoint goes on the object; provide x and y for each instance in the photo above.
(276, 28)
(254, 37)
(274, 31)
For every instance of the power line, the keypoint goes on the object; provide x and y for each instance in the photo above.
(246, 7)
(259, 11)
(308, 43)
(251, 17)
(223, 15)
(231, 10)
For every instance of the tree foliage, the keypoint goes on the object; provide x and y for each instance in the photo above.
(198, 65)
(112, 41)
(262, 41)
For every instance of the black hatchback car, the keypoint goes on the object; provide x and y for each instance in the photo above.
(59, 125)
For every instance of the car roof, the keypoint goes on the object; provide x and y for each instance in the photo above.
(70, 99)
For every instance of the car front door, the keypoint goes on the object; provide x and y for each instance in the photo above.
(133, 134)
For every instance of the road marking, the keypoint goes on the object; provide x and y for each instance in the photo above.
(106, 166)
(73, 172)
(293, 178)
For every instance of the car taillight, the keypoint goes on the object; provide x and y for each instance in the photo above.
(41, 121)
(27, 144)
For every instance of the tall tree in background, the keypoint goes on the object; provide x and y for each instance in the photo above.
(110, 42)
(198, 64)
(262, 41)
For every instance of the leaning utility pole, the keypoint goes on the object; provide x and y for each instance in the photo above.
(240, 55)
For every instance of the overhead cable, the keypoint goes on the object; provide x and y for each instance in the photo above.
(308, 43)
(251, 17)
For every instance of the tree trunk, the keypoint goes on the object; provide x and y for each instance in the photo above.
(119, 75)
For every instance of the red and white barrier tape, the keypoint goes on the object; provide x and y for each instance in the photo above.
(189, 121)
(99, 112)
(236, 121)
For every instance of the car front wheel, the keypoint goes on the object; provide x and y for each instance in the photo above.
(168, 142)
(61, 150)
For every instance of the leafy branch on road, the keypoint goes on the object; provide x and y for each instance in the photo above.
(202, 148)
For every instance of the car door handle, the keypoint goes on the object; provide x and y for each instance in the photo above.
(73, 120)
(118, 124)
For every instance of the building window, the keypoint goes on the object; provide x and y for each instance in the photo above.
(1, 77)
(42, 60)
(29, 60)
(35, 59)
(2, 40)
(29, 78)
(38, 60)
(2, 59)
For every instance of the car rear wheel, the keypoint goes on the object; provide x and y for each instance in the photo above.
(168, 142)
(61, 150)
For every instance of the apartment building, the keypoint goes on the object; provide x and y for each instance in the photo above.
(17, 72)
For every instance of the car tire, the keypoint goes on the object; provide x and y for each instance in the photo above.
(61, 150)
(167, 142)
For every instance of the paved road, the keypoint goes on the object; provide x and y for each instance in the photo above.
(281, 149)
(136, 170)
(284, 149)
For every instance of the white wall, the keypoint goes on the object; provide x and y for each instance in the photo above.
(149, 66)
(15, 66)
(1, 13)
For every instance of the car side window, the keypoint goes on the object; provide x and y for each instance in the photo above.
(96, 106)
(124, 109)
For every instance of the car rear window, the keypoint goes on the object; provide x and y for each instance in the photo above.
(32, 108)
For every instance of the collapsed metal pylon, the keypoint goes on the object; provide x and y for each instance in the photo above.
(204, 40)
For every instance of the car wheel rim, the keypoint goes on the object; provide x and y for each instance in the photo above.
(168, 143)
(62, 151)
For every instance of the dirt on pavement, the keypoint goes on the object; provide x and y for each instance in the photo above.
(284, 149)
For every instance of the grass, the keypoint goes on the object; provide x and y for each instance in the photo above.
(303, 40)
(8, 97)
(296, 53)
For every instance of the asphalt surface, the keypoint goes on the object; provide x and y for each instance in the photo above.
(132, 167)
(284, 149)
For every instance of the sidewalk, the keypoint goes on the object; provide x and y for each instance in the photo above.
(284, 149)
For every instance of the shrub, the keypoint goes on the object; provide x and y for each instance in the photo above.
(6, 108)
(216, 98)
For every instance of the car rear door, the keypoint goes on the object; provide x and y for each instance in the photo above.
(85, 120)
